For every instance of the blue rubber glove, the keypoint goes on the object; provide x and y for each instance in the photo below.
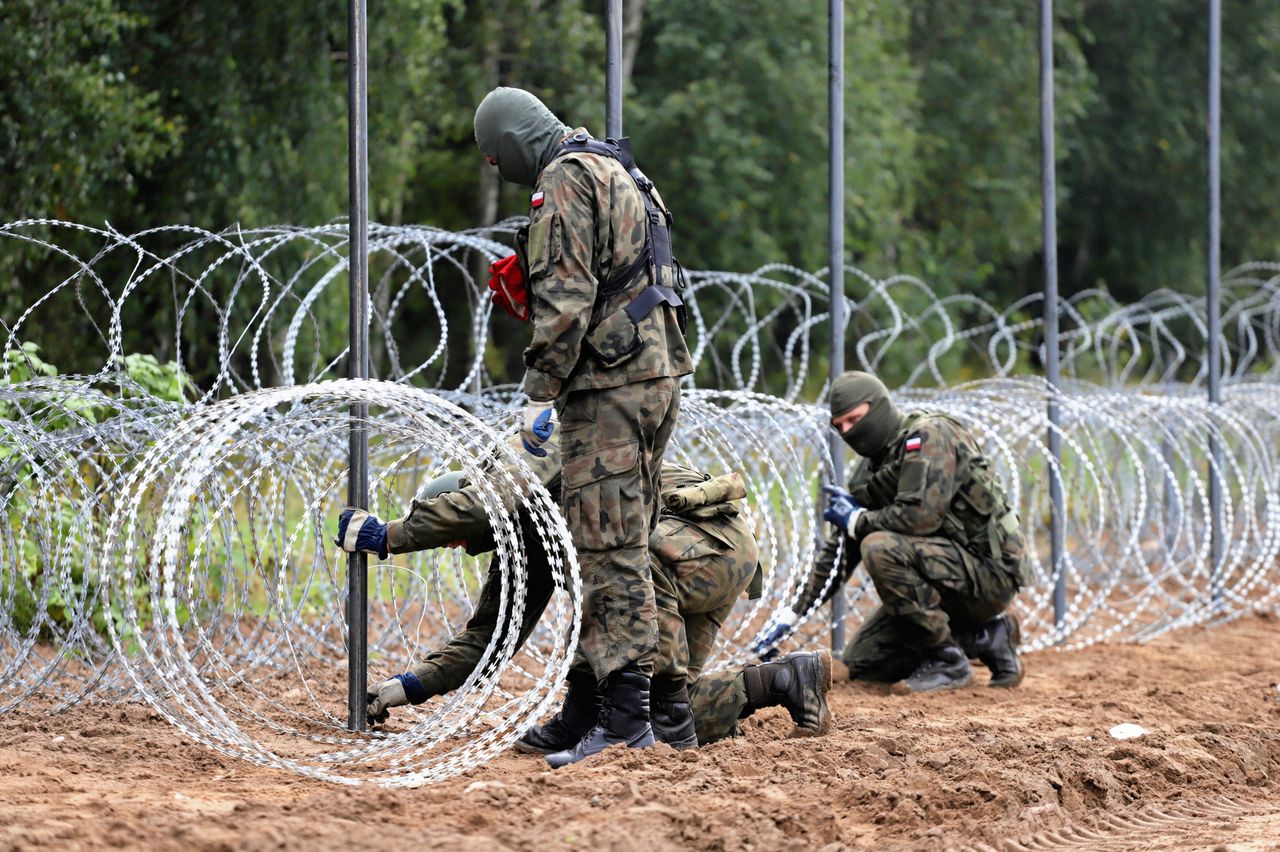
(537, 427)
(766, 647)
(842, 510)
(360, 532)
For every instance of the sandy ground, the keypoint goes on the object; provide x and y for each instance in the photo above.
(1032, 768)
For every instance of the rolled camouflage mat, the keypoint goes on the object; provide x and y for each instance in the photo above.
(721, 489)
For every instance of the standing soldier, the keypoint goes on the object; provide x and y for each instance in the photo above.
(704, 558)
(607, 354)
(926, 516)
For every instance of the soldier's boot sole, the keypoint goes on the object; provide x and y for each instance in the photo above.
(1015, 639)
(823, 686)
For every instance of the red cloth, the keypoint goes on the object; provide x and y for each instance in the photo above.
(507, 283)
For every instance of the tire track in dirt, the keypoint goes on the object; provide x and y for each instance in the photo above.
(1168, 825)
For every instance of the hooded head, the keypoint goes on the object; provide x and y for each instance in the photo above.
(872, 434)
(518, 131)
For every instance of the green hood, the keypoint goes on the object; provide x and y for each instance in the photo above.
(519, 131)
(874, 431)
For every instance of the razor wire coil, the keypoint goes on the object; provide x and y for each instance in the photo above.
(178, 551)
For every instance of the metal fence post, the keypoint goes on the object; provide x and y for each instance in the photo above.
(613, 69)
(1213, 295)
(1049, 235)
(835, 247)
(358, 257)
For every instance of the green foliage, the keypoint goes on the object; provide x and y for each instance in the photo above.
(159, 381)
(55, 515)
(1137, 167)
(977, 211)
(75, 125)
(23, 364)
(147, 112)
(730, 120)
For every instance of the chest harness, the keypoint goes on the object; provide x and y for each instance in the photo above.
(665, 275)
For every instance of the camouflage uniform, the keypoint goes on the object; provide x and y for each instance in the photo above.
(616, 386)
(939, 541)
(703, 560)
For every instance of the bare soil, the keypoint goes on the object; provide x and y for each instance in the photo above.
(1031, 768)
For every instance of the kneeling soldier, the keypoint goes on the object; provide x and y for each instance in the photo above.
(926, 516)
(703, 556)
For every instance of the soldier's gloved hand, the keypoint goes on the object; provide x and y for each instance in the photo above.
(842, 510)
(766, 647)
(361, 532)
(537, 427)
(394, 692)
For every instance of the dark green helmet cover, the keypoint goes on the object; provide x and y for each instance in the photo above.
(518, 130)
(871, 436)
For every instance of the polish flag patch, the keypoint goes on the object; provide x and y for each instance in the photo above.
(535, 200)
(912, 444)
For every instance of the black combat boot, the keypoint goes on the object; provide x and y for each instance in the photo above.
(672, 715)
(624, 718)
(943, 666)
(581, 709)
(996, 645)
(798, 682)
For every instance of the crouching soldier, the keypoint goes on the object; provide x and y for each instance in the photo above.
(926, 516)
(703, 556)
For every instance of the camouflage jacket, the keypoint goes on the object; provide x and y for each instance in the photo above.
(459, 516)
(589, 220)
(933, 480)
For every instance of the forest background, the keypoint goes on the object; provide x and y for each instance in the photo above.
(209, 113)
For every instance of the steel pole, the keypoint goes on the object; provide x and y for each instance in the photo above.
(1049, 239)
(358, 256)
(835, 248)
(1213, 295)
(613, 69)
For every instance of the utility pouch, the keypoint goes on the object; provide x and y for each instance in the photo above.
(721, 490)
(615, 341)
(710, 513)
(522, 251)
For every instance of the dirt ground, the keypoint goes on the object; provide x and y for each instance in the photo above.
(1032, 768)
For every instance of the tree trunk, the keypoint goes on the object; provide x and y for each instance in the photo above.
(632, 24)
(488, 181)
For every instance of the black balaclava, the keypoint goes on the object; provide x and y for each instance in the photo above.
(518, 130)
(874, 431)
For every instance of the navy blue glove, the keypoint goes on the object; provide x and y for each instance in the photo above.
(537, 428)
(360, 532)
(394, 692)
(842, 510)
(766, 647)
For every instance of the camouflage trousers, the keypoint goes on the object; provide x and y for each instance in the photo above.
(447, 668)
(700, 570)
(928, 587)
(612, 441)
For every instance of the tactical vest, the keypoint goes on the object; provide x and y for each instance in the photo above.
(656, 266)
(979, 517)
